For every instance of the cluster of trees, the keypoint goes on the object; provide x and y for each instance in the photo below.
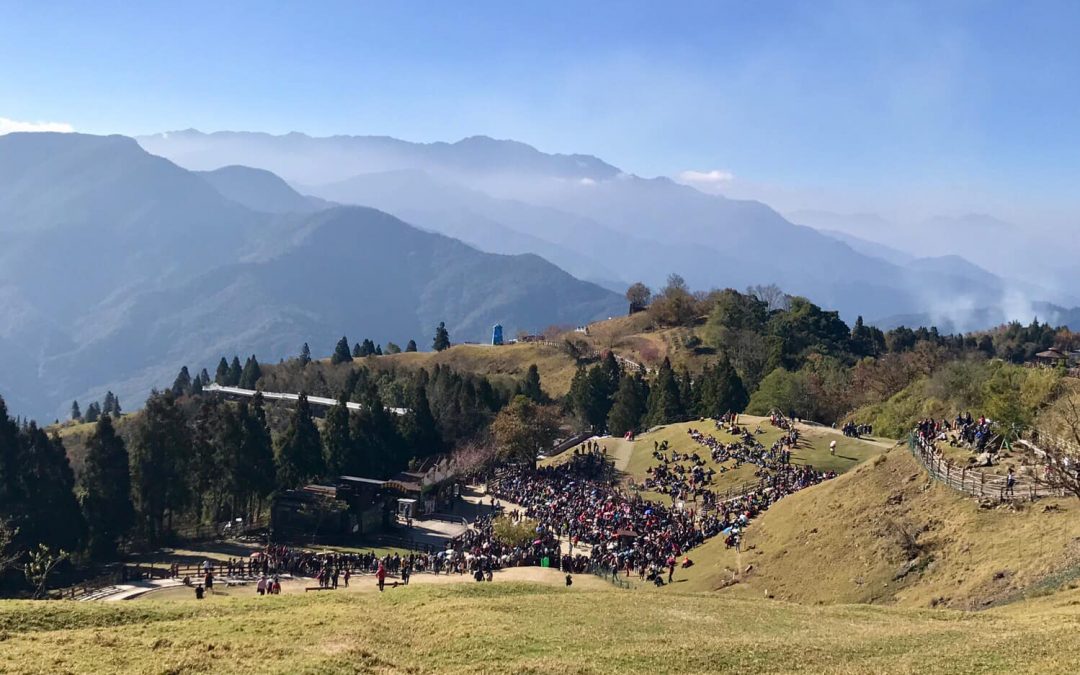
(232, 374)
(794, 356)
(109, 406)
(609, 397)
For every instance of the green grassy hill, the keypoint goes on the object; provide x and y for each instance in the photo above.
(846, 540)
(813, 449)
(516, 627)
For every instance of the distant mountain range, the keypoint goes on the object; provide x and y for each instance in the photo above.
(605, 225)
(120, 266)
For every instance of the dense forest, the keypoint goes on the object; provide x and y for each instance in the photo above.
(189, 459)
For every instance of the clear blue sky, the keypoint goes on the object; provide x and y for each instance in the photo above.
(820, 104)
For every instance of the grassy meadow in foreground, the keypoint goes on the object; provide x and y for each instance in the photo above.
(512, 627)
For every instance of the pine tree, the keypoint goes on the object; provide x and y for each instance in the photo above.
(235, 372)
(106, 488)
(720, 390)
(12, 490)
(664, 405)
(160, 452)
(204, 377)
(442, 338)
(109, 404)
(411, 346)
(299, 452)
(336, 439)
(530, 386)
(257, 450)
(380, 450)
(222, 374)
(249, 377)
(182, 384)
(53, 514)
(629, 406)
(341, 352)
(305, 355)
(93, 412)
(358, 351)
(196, 385)
(76, 414)
(378, 350)
(418, 425)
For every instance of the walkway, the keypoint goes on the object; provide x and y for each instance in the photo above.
(213, 387)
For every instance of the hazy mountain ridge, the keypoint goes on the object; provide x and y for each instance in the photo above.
(589, 217)
(121, 266)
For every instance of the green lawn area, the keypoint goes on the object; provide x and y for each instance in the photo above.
(517, 627)
(813, 449)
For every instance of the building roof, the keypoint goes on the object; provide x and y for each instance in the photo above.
(1051, 354)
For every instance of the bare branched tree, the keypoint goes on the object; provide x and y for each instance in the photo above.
(771, 295)
(1056, 460)
(8, 555)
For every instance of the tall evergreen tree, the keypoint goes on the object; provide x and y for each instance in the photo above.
(411, 346)
(442, 338)
(53, 514)
(299, 450)
(628, 407)
(336, 439)
(530, 386)
(13, 498)
(204, 377)
(378, 350)
(720, 390)
(358, 350)
(664, 405)
(249, 377)
(106, 491)
(341, 354)
(235, 371)
(109, 404)
(182, 384)
(93, 412)
(222, 374)
(305, 355)
(76, 414)
(256, 452)
(160, 452)
(418, 425)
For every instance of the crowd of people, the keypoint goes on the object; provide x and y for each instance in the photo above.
(853, 430)
(964, 431)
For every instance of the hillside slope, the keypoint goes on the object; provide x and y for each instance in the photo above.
(512, 627)
(348, 270)
(118, 267)
(844, 541)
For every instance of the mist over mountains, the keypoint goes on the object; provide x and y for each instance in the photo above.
(120, 266)
(124, 259)
(606, 225)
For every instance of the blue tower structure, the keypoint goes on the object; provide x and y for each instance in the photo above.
(496, 334)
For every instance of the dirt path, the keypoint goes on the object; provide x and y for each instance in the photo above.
(366, 584)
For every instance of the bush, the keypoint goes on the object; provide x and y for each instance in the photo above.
(514, 533)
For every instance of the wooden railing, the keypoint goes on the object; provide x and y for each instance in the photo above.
(972, 481)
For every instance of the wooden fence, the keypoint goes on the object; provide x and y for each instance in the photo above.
(972, 481)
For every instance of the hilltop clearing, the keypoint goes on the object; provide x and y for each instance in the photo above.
(513, 627)
(812, 449)
(885, 533)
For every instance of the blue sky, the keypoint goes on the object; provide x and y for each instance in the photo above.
(900, 108)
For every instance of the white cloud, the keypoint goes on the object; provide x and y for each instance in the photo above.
(8, 126)
(714, 177)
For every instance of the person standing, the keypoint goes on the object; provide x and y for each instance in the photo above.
(380, 575)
